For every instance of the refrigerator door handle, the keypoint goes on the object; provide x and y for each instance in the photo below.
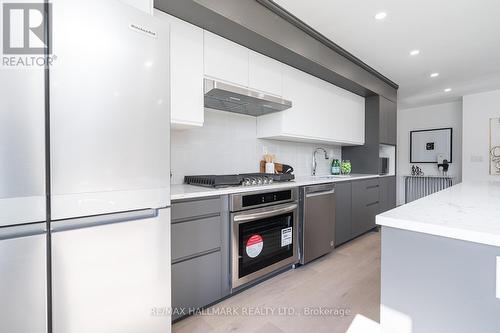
(24, 230)
(99, 220)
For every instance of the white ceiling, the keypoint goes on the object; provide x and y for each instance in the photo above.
(460, 39)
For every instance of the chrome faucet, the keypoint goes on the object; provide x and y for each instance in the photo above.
(314, 163)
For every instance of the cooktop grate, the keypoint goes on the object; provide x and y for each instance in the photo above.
(233, 180)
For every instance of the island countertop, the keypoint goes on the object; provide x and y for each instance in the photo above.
(468, 211)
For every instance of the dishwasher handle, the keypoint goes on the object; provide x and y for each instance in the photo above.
(315, 194)
(317, 190)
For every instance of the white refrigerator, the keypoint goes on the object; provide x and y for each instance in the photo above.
(85, 151)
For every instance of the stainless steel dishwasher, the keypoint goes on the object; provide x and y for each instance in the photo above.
(318, 221)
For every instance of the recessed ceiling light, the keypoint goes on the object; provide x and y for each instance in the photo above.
(434, 75)
(414, 52)
(447, 90)
(380, 16)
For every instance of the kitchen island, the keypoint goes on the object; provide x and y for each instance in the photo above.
(440, 262)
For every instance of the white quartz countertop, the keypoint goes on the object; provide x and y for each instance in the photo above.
(468, 211)
(179, 192)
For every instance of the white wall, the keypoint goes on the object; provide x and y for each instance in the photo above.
(227, 144)
(428, 117)
(478, 109)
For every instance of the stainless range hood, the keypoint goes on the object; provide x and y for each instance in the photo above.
(227, 97)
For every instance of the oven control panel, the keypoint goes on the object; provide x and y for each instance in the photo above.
(243, 201)
(264, 198)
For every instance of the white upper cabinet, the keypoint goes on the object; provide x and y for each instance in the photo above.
(186, 73)
(225, 60)
(265, 74)
(348, 115)
(321, 112)
(233, 63)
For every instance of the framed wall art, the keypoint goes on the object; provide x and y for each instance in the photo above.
(431, 145)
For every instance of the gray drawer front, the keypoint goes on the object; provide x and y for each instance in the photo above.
(196, 282)
(372, 195)
(365, 205)
(192, 237)
(367, 190)
(188, 209)
(371, 211)
(369, 182)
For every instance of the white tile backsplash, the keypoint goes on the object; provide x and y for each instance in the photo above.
(227, 144)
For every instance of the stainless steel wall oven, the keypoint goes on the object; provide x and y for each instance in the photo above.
(264, 233)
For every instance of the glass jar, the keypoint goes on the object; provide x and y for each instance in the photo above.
(346, 167)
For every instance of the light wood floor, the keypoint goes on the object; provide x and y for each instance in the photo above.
(349, 277)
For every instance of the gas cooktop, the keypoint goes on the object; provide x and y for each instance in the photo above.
(245, 179)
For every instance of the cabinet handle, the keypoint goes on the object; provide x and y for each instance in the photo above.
(371, 204)
(370, 187)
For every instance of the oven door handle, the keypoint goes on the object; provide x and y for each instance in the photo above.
(257, 216)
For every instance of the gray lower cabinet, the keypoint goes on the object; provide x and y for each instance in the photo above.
(357, 205)
(387, 193)
(200, 253)
(365, 205)
(190, 238)
(196, 283)
(188, 210)
(343, 212)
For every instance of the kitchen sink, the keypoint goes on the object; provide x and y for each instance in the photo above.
(333, 176)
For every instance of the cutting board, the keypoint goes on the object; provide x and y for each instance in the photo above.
(278, 167)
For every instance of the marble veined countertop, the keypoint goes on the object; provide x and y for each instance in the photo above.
(182, 191)
(468, 211)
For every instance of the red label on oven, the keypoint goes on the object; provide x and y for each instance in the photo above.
(254, 247)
